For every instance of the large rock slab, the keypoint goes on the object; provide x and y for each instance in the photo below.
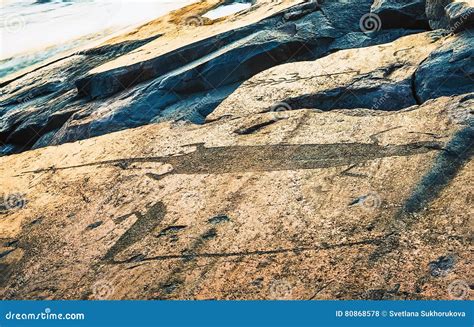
(342, 174)
(39, 101)
(436, 14)
(166, 70)
(249, 208)
(197, 88)
(401, 13)
(377, 77)
(186, 37)
(460, 16)
(249, 56)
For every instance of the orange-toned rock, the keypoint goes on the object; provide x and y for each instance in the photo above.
(350, 204)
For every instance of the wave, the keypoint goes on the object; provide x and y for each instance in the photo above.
(34, 30)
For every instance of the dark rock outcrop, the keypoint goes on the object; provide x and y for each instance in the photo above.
(107, 83)
(452, 15)
(240, 61)
(42, 100)
(436, 14)
(365, 93)
(401, 13)
(346, 79)
(460, 16)
(447, 71)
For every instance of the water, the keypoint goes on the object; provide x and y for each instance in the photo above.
(34, 30)
(227, 10)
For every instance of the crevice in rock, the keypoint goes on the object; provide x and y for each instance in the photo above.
(413, 82)
(413, 90)
(296, 251)
(254, 128)
(385, 97)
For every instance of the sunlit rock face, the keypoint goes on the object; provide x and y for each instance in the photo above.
(292, 150)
